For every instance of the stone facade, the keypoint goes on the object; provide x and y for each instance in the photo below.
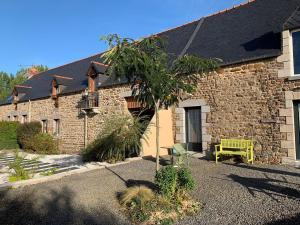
(252, 100)
(71, 135)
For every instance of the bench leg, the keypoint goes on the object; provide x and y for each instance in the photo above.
(216, 153)
(252, 155)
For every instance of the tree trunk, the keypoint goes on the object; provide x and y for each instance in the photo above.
(157, 137)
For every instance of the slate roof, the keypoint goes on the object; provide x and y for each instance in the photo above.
(247, 32)
(293, 22)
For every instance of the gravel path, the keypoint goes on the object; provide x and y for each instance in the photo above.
(232, 194)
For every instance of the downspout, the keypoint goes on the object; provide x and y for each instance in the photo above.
(85, 128)
(29, 111)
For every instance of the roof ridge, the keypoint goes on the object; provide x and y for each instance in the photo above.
(78, 60)
(210, 15)
(63, 77)
(23, 86)
(99, 63)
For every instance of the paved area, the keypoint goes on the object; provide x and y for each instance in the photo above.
(232, 194)
(38, 165)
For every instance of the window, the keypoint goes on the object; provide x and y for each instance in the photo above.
(296, 51)
(44, 126)
(15, 118)
(56, 127)
(24, 119)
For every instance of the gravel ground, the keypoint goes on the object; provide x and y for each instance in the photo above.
(232, 194)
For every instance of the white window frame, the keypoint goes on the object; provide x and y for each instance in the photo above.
(292, 51)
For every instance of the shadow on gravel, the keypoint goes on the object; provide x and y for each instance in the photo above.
(51, 207)
(268, 186)
(131, 182)
(295, 220)
(266, 170)
(163, 161)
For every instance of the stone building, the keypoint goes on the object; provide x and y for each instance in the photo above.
(254, 95)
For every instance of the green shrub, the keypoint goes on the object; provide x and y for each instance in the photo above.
(27, 131)
(166, 181)
(172, 182)
(185, 180)
(42, 143)
(8, 135)
(19, 172)
(119, 138)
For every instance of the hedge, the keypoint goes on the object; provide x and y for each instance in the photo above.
(8, 135)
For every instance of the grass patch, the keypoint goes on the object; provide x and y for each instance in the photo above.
(49, 172)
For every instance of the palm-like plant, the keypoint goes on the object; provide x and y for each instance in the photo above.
(156, 80)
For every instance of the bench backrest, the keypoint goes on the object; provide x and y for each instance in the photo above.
(236, 143)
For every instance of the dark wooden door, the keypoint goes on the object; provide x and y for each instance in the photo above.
(297, 127)
(193, 129)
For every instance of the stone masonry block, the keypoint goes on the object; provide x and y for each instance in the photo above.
(286, 34)
(289, 120)
(292, 153)
(286, 128)
(296, 95)
(287, 144)
(289, 104)
(286, 112)
(289, 95)
(205, 109)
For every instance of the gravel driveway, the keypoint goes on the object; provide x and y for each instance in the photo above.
(232, 194)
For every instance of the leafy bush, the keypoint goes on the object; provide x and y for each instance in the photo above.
(173, 182)
(26, 131)
(8, 135)
(42, 143)
(185, 180)
(166, 181)
(119, 138)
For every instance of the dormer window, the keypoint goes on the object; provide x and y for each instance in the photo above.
(92, 83)
(96, 69)
(59, 83)
(296, 51)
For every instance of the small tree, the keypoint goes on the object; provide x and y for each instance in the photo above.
(156, 80)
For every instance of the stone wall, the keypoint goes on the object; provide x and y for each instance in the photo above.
(71, 135)
(244, 102)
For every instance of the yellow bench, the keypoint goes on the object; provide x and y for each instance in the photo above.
(243, 148)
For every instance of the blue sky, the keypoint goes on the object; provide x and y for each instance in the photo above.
(55, 32)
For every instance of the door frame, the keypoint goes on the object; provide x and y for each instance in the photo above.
(187, 126)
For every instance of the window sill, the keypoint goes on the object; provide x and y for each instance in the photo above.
(294, 77)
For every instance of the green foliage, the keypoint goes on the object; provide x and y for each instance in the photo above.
(42, 143)
(173, 182)
(19, 172)
(119, 138)
(166, 179)
(8, 137)
(155, 77)
(26, 131)
(185, 180)
(8, 81)
(49, 172)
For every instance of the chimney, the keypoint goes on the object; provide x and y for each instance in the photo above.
(31, 72)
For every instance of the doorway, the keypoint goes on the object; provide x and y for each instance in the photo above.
(193, 129)
(297, 127)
